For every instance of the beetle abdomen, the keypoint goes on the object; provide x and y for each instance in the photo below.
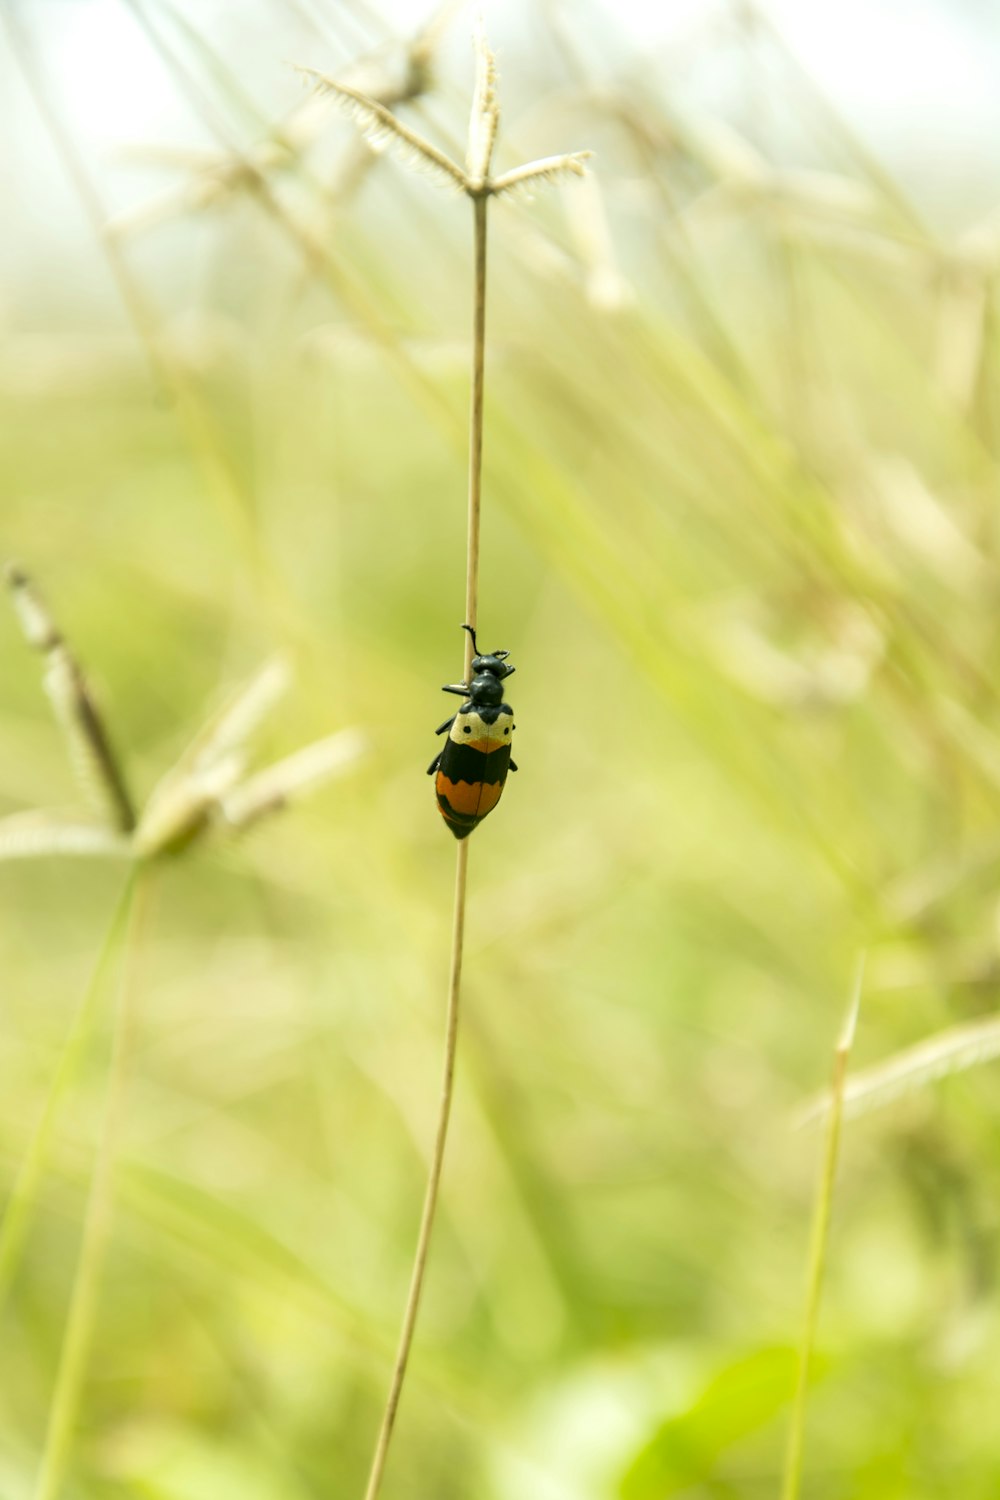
(473, 768)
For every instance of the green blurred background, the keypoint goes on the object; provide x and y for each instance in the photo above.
(740, 536)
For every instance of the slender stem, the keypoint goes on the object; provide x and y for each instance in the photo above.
(461, 868)
(820, 1236)
(96, 1230)
(479, 206)
(21, 1202)
(433, 1181)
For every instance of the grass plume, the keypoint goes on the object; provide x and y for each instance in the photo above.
(952, 1051)
(205, 791)
(90, 747)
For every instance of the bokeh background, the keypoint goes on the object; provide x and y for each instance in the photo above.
(741, 538)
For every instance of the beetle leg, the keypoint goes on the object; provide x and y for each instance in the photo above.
(446, 725)
(511, 766)
(461, 688)
(434, 765)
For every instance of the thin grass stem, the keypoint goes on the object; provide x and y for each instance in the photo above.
(23, 1194)
(820, 1237)
(479, 205)
(433, 1181)
(97, 1225)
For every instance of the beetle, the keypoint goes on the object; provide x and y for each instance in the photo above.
(472, 767)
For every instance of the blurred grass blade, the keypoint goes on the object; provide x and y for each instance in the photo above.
(820, 1235)
(230, 729)
(739, 1399)
(23, 1194)
(73, 1356)
(34, 835)
(951, 1051)
(91, 751)
(274, 788)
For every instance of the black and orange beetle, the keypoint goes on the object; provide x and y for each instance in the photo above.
(472, 767)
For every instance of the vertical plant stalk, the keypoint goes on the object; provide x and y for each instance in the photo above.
(461, 868)
(97, 1225)
(479, 206)
(820, 1238)
(433, 1181)
(476, 182)
(24, 1192)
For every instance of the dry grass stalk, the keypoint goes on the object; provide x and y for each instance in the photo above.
(477, 183)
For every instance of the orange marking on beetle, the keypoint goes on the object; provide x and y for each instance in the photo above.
(473, 799)
(489, 796)
(462, 796)
(486, 746)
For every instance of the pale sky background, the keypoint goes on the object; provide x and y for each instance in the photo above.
(890, 64)
(919, 80)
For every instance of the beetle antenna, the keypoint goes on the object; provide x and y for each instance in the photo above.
(472, 632)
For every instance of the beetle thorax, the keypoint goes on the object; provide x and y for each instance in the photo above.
(485, 688)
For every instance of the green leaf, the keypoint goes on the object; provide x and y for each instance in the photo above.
(741, 1398)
